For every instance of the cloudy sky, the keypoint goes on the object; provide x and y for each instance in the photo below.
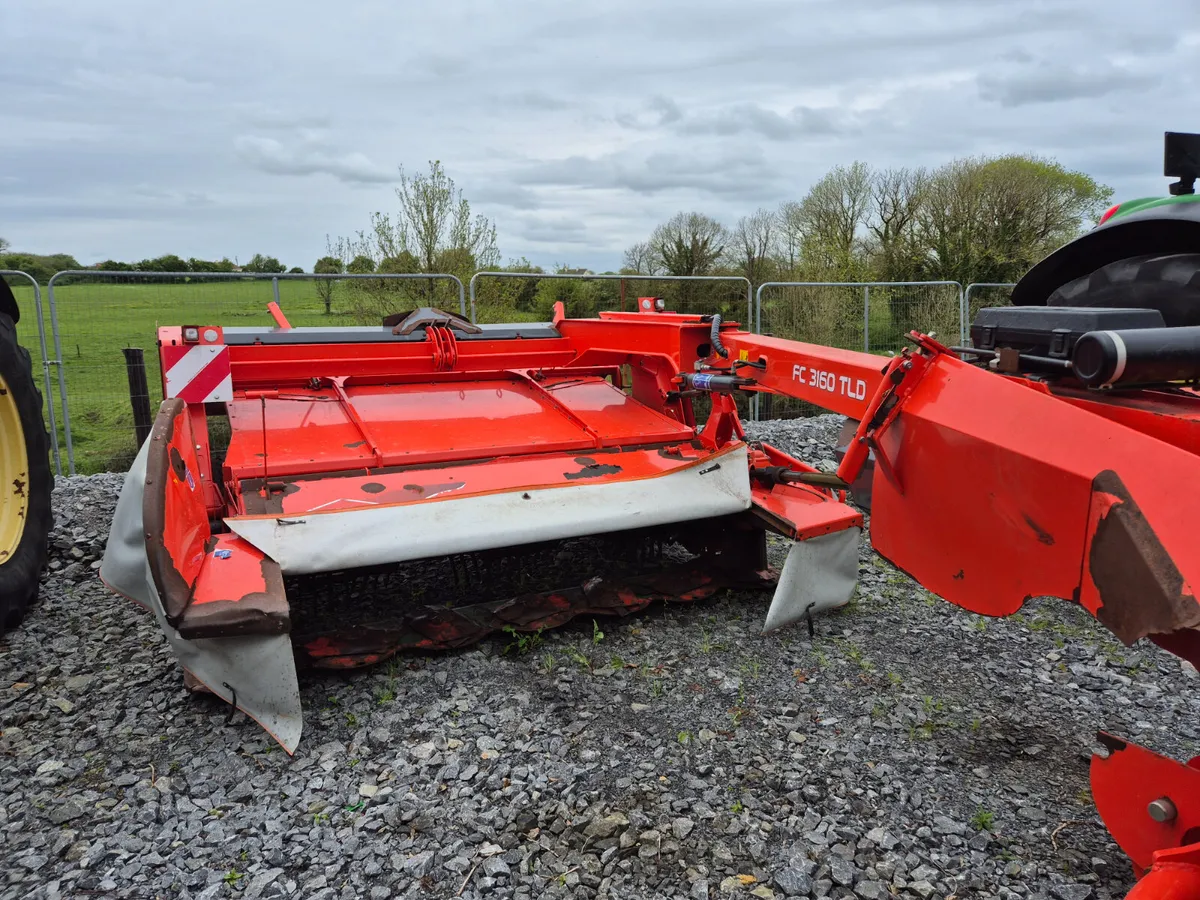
(132, 128)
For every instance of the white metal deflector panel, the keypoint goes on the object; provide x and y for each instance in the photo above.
(325, 542)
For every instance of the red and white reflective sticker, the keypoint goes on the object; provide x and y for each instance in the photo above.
(198, 373)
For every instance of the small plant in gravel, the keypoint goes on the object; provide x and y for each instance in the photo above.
(578, 657)
(351, 720)
(737, 807)
(385, 694)
(685, 737)
(751, 669)
(920, 732)
(857, 657)
(597, 634)
(983, 819)
(980, 624)
(232, 877)
(521, 642)
(657, 689)
(549, 663)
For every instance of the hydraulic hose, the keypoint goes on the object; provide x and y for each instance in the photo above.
(715, 337)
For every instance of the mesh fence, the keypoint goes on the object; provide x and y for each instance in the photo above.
(872, 317)
(98, 315)
(519, 297)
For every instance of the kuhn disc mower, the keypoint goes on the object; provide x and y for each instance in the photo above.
(1058, 456)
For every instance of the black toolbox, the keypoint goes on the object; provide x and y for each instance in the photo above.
(1052, 330)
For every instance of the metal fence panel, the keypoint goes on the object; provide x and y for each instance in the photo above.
(96, 315)
(730, 295)
(29, 299)
(981, 294)
(873, 316)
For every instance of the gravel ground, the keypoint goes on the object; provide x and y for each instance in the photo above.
(911, 749)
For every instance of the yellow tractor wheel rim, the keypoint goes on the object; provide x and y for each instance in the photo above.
(14, 475)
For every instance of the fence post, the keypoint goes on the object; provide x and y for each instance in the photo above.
(275, 290)
(62, 378)
(866, 318)
(139, 393)
(964, 305)
(965, 313)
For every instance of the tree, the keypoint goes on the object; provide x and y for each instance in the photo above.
(267, 265)
(991, 219)
(327, 265)
(896, 198)
(295, 270)
(640, 259)
(361, 265)
(792, 228)
(41, 267)
(171, 263)
(433, 231)
(4, 245)
(830, 218)
(752, 245)
(688, 244)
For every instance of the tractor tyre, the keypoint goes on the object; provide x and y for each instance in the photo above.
(1169, 283)
(26, 481)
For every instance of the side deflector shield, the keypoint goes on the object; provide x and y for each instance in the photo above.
(255, 673)
(820, 573)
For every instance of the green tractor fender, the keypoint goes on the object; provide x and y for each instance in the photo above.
(8, 303)
(1156, 226)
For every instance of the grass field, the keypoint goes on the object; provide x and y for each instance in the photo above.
(98, 319)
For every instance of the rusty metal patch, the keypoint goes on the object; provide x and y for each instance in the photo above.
(260, 612)
(1140, 587)
(173, 590)
(591, 469)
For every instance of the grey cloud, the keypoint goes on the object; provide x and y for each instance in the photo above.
(750, 118)
(116, 130)
(744, 172)
(269, 117)
(562, 231)
(738, 119)
(499, 193)
(535, 99)
(277, 158)
(1052, 83)
(659, 111)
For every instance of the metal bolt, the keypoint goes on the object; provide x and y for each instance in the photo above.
(1162, 810)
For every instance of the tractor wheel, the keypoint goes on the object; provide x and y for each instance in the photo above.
(25, 480)
(1169, 283)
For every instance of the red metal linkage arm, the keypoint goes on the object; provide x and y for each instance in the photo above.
(842, 381)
